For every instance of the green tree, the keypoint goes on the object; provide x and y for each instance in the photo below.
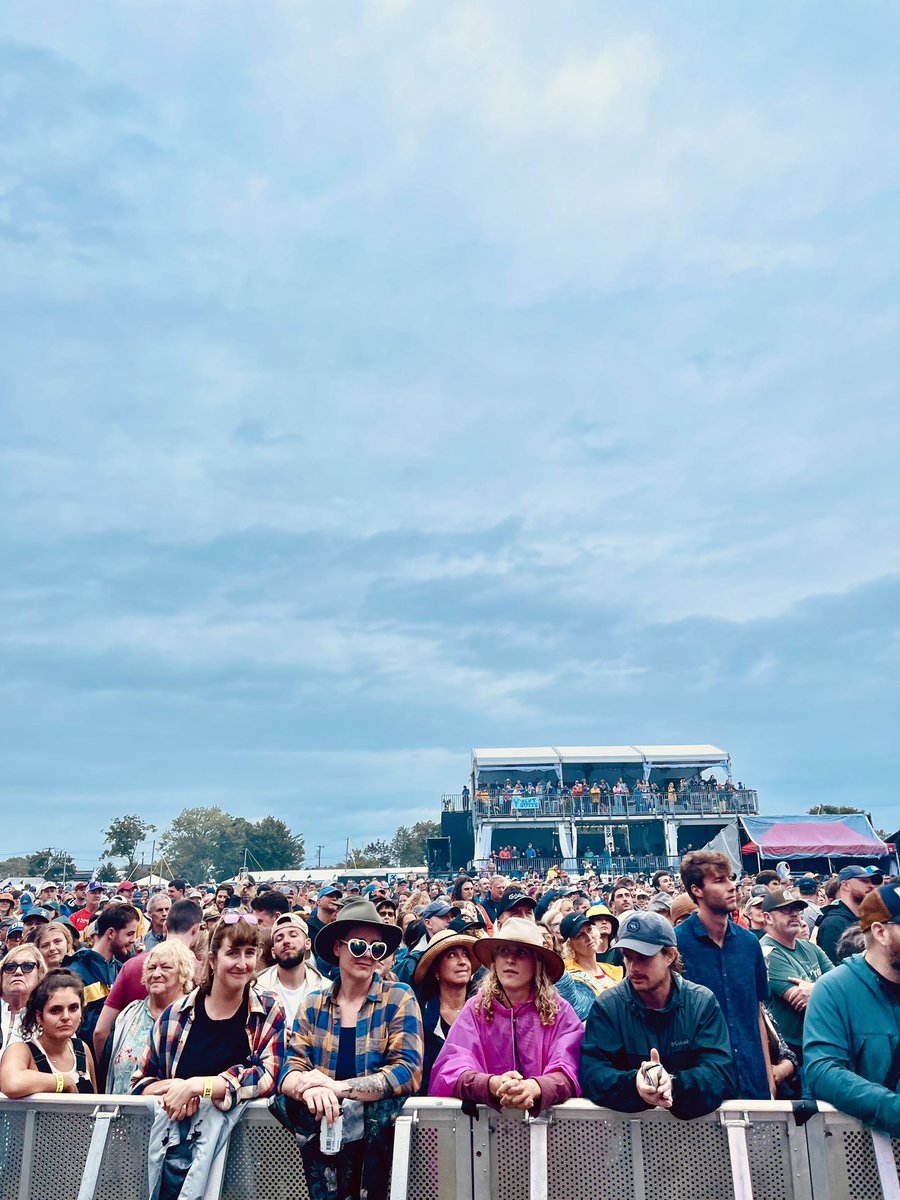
(209, 843)
(378, 853)
(108, 871)
(273, 846)
(51, 864)
(14, 868)
(122, 838)
(832, 810)
(200, 844)
(408, 845)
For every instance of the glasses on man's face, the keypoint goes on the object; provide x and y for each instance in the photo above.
(232, 918)
(359, 947)
(25, 967)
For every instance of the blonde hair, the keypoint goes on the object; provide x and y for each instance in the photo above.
(180, 955)
(28, 953)
(53, 927)
(546, 998)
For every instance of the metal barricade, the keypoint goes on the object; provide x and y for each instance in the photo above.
(95, 1148)
(744, 1151)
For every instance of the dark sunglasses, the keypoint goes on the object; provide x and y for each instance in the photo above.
(232, 918)
(25, 967)
(359, 946)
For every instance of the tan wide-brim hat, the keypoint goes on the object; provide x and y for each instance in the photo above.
(355, 912)
(518, 931)
(445, 940)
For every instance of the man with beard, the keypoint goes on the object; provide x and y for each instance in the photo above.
(728, 960)
(98, 967)
(794, 964)
(292, 977)
(854, 884)
(850, 1037)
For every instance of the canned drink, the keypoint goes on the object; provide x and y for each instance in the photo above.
(330, 1136)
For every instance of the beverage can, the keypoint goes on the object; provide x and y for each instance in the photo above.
(330, 1136)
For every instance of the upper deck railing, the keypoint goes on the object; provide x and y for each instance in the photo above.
(708, 802)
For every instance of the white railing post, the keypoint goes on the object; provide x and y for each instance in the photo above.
(90, 1177)
(736, 1126)
(887, 1167)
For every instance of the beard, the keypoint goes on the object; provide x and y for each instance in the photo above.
(288, 961)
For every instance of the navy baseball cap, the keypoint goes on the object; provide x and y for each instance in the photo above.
(513, 897)
(437, 908)
(856, 872)
(806, 885)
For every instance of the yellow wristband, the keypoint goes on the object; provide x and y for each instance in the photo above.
(60, 1081)
(207, 1088)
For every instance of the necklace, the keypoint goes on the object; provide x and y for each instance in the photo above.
(67, 1070)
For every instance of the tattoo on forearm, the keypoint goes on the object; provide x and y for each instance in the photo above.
(366, 1087)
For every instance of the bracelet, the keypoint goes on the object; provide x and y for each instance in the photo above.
(60, 1081)
(207, 1087)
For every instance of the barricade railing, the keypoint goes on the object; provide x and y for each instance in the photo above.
(500, 805)
(95, 1148)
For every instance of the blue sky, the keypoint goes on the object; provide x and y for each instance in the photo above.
(382, 380)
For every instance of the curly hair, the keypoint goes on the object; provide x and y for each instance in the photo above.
(177, 953)
(53, 981)
(546, 998)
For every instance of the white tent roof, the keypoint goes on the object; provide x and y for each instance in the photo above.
(537, 756)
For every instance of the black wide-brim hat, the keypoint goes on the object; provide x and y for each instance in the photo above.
(352, 913)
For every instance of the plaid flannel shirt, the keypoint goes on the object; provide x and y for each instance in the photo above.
(389, 1037)
(252, 1079)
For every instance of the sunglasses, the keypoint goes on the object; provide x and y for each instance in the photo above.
(25, 967)
(232, 918)
(359, 946)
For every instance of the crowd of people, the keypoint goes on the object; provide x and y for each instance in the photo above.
(337, 1002)
(598, 797)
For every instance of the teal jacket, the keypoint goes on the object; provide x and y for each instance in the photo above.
(851, 1044)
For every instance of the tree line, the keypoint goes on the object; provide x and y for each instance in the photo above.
(209, 843)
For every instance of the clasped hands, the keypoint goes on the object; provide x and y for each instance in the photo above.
(511, 1090)
(321, 1093)
(658, 1095)
(179, 1097)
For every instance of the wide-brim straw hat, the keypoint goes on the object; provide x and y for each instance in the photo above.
(445, 940)
(355, 912)
(518, 931)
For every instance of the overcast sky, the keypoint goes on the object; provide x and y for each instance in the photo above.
(383, 380)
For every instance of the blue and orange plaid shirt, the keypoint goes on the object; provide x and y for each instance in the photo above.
(389, 1036)
(252, 1079)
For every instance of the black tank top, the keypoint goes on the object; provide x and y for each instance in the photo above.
(43, 1064)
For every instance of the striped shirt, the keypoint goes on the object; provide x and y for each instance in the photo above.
(389, 1037)
(250, 1080)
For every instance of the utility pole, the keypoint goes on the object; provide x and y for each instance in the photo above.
(319, 857)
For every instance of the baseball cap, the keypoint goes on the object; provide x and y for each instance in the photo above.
(806, 885)
(856, 872)
(42, 914)
(777, 899)
(290, 918)
(330, 891)
(127, 886)
(437, 908)
(94, 886)
(881, 905)
(48, 884)
(512, 897)
(18, 929)
(646, 933)
(571, 925)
